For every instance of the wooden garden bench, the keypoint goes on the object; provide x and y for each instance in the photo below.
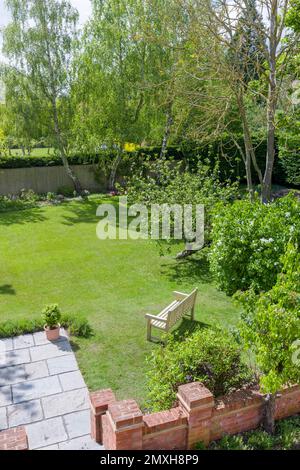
(182, 305)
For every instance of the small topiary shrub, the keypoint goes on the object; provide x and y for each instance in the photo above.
(248, 240)
(51, 316)
(210, 356)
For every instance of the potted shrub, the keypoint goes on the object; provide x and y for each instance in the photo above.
(52, 315)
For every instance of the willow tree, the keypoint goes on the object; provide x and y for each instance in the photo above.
(38, 44)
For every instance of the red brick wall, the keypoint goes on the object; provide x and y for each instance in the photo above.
(13, 439)
(198, 417)
(166, 430)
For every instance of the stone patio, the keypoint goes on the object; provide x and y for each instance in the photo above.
(42, 388)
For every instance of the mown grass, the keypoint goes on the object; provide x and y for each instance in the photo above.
(51, 255)
(35, 152)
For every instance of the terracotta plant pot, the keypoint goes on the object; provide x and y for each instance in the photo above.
(52, 333)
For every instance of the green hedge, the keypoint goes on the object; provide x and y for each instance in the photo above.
(47, 160)
(222, 152)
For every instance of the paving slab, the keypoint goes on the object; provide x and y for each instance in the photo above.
(14, 358)
(36, 370)
(32, 389)
(71, 380)
(41, 339)
(41, 387)
(12, 375)
(24, 413)
(53, 447)
(77, 424)
(45, 433)
(66, 402)
(6, 344)
(5, 396)
(23, 341)
(47, 351)
(3, 418)
(59, 365)
(80, 443)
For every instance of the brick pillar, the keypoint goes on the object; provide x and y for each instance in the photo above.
(123, 426)
(197, 402)
(99, 404)
(14, 439)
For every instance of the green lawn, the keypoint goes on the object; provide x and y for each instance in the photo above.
(52, 255)
(36, 152)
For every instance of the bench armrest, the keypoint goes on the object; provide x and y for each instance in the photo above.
(180, 295)
(155, 317)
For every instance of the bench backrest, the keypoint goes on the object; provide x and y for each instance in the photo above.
(181, 308)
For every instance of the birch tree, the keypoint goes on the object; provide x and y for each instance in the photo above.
(38, 45)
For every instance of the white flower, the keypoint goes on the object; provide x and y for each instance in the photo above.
(266, 240)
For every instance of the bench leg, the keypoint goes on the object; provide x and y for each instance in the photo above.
(193, 314)
(149, 330)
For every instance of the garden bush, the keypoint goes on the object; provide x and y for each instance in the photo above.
(248, 240)
(66, 191)
(210, 356)
(166, 182)
(270, 326)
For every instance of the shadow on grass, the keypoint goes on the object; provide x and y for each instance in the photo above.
(75, 347)
(24, 216)
(193, 270)
(188, 327)
(7, 289)
(85, 211)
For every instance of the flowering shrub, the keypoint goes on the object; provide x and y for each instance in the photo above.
(248, 240)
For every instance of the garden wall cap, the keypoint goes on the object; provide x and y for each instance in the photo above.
(195, 394)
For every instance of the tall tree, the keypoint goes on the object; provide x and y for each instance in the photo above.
(109, 92)
(38, 44)
(223, 21)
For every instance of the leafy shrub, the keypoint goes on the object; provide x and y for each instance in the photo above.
(288, 433)
(14, 203)
(260, 440)
(66, 191)
(28, 195)
(162, 181)
(271, 325)
(248, 240)
(50, 196)
(51, 315)
(77, 325)
(230, 443)
(210, 356)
